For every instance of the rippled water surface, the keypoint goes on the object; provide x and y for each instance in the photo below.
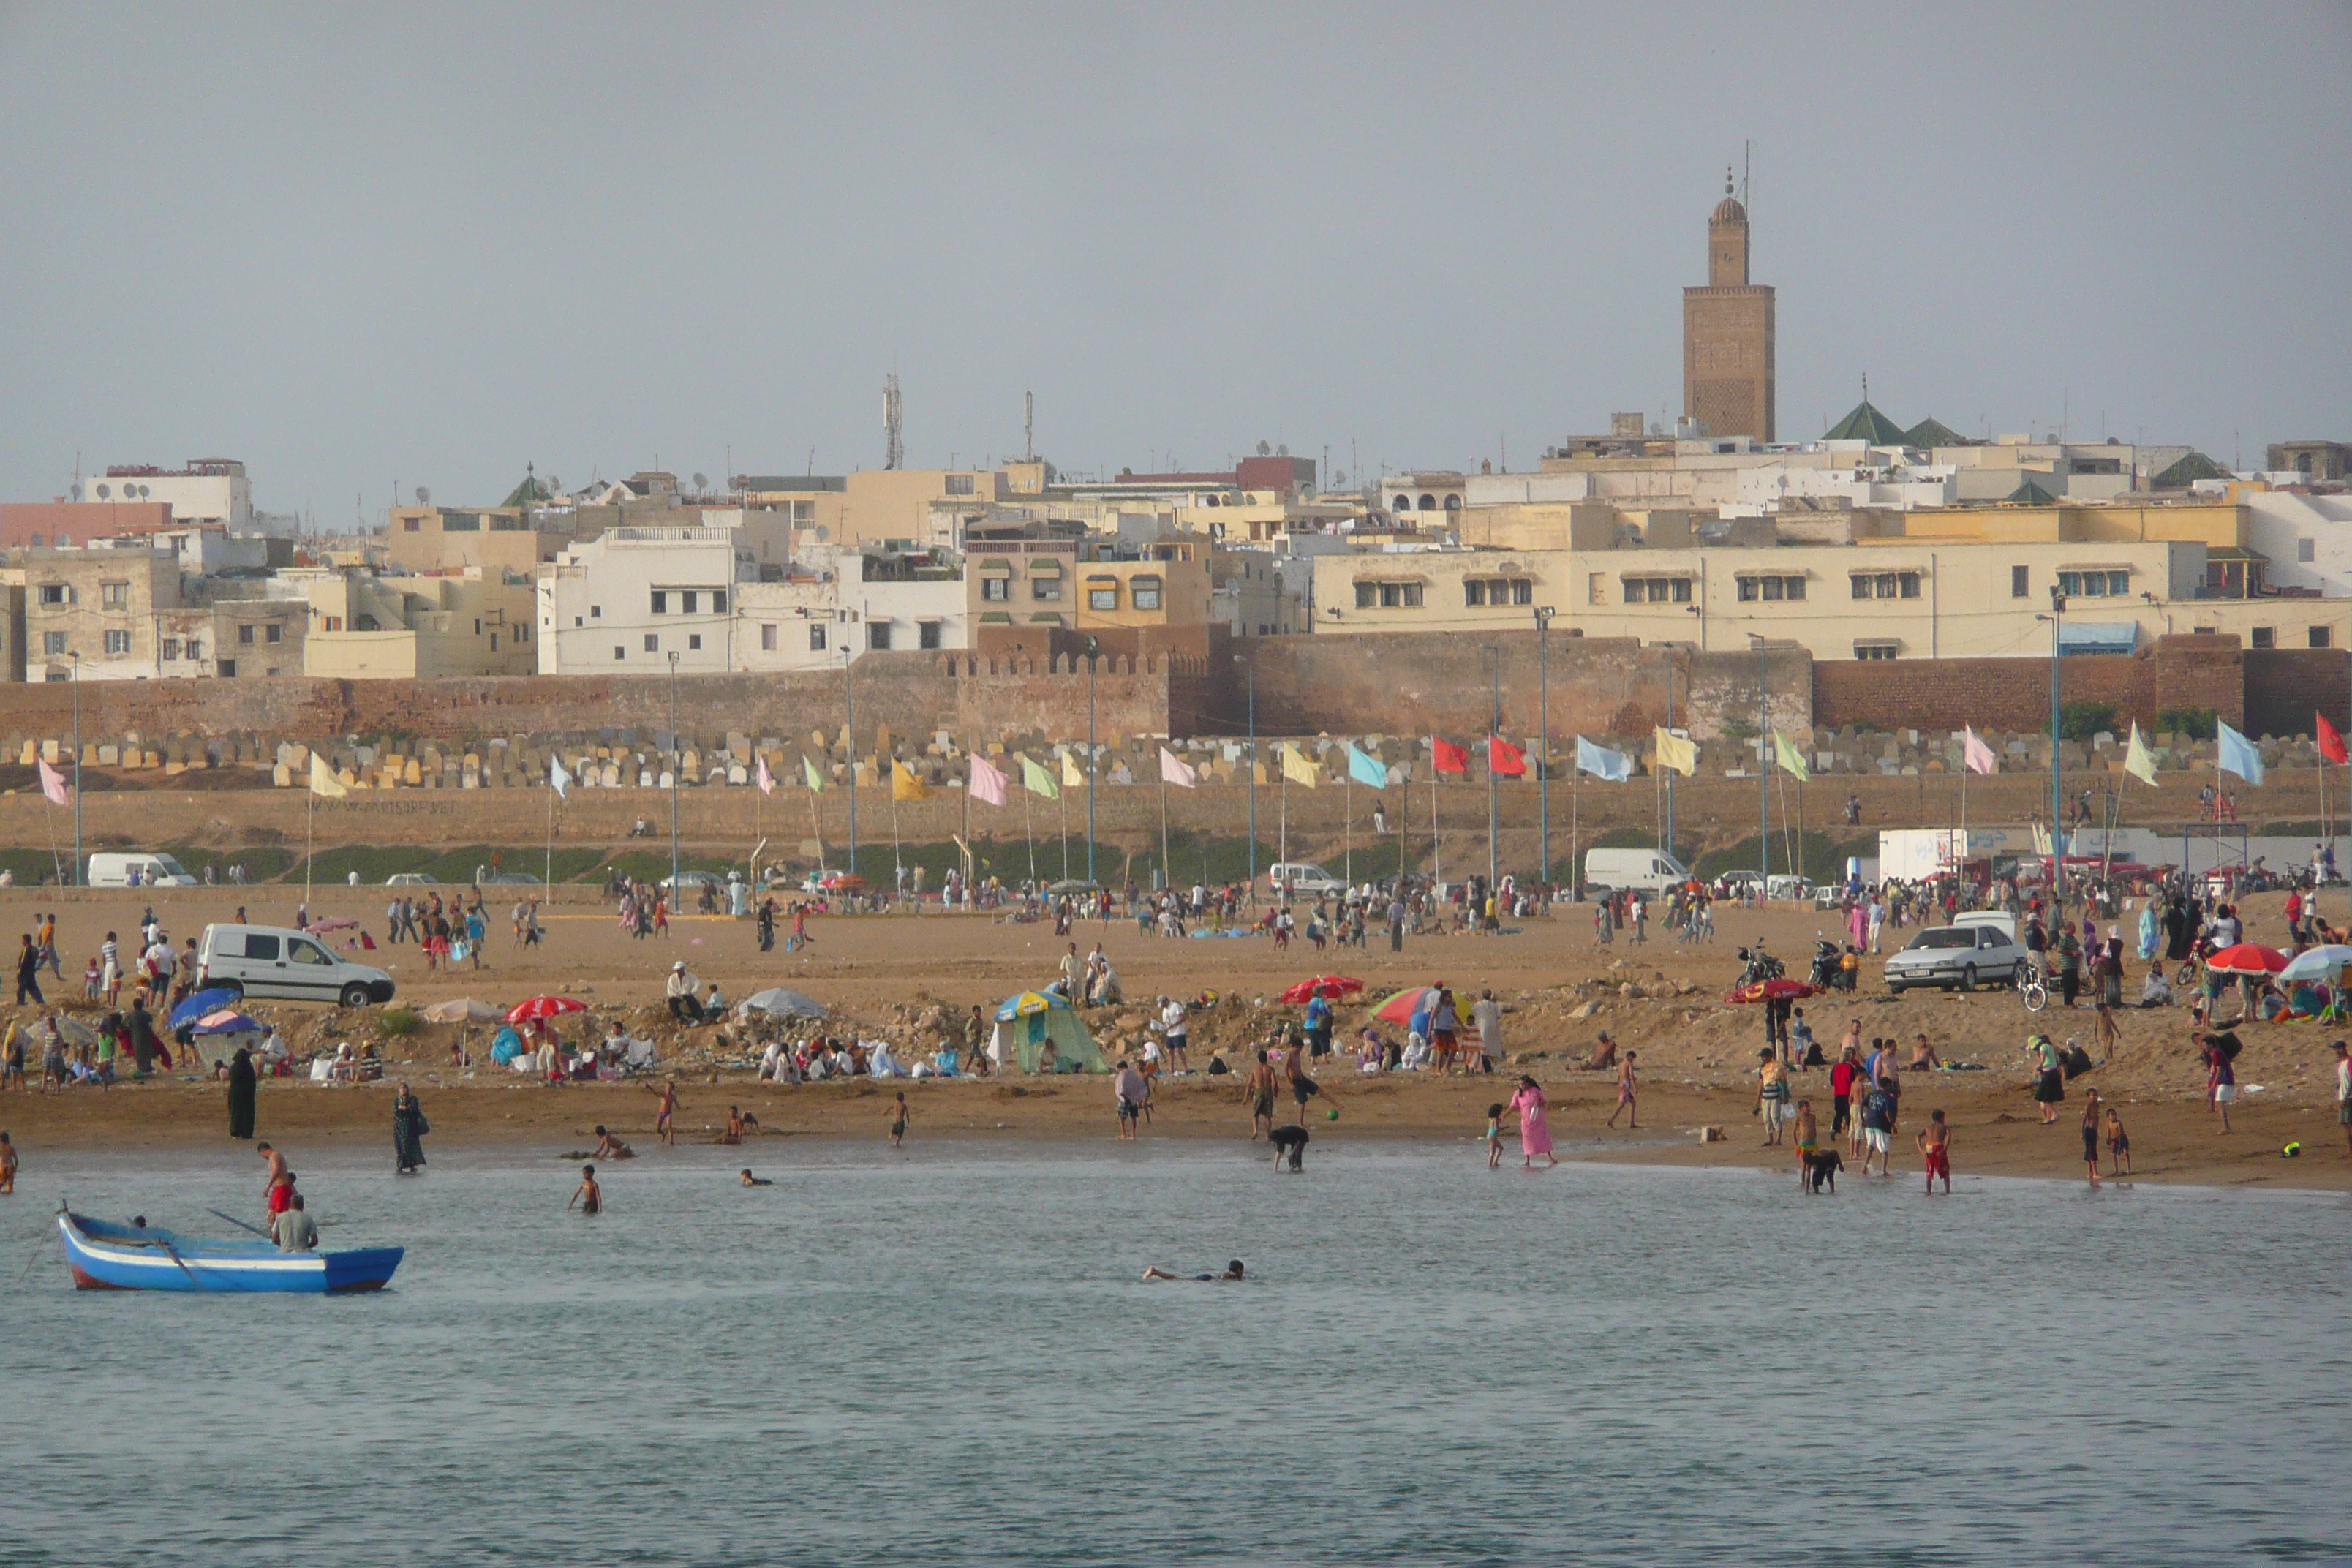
(945, 1355)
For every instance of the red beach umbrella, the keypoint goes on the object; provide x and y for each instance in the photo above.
(1772, 990)
(2246, 958)
(1327, 986)
(543, 1007)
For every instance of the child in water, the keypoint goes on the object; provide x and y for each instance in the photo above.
(2119, 1145)
(1494, 1137)
(588, 1197)
(898, 1120)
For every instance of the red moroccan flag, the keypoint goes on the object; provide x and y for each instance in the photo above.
(1502, 757)
(1447, 757)
(2331, 745)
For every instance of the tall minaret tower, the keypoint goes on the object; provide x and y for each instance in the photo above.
(1729, 375)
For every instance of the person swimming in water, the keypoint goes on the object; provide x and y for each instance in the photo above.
(588, 1198)
(752, 1181)
(611, 1148)
(1232, 1271)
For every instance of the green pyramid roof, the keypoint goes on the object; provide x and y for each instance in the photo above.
(530, 491)
(2187, 471)
(1932, 433)
(1866, 424)
(2031, 494)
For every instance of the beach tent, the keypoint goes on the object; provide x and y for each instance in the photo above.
(781, 1003)
(1026, 1022)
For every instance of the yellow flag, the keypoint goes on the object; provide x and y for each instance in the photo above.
(1071, 777)
(808, 772)
(2138, 761)
(1036, 780)
(1678, 752)
(905, 785)
(323, 780)
(1791, 761)
(1297, 768)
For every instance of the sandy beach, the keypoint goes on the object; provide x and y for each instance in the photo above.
(900, 977)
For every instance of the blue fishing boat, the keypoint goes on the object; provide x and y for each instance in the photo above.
(108, 1256)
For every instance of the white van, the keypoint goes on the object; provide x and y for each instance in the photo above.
(1651, 870)
(153, 871)
(1304, 877)
(274, 961)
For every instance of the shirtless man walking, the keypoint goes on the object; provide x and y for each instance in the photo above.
(1259, 1092)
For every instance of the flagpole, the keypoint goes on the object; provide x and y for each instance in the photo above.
(1348, 822)
(1283, 835)
(549, 879)
(310, 812)
(1062, 797)
(1028, 819)
(1436, 850)
(1167, 876)
(1575, 821)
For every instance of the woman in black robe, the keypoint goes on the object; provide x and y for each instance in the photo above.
(240, 1094)
(408, 1129)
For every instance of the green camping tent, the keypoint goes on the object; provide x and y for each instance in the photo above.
(1028, 1024)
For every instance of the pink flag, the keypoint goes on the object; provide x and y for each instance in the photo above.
(987, 783)
(1976, 754)
(53, 784)
(1175, 770)
(766, 781)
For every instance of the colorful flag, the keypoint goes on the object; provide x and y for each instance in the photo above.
(1364, 770)
(1977, 756)
(763, 778)
(53, 784)
(904, 784)
(558, 780)
(1071, 777)
(1504, 758)
(323, 780)
(987, 783)
(2239, 756)
(2331, 743)
(1602, 762)
(1175, 771)
(815, 780)
(1676, 752)
(1297, 767)
(1791, 761)
(1447, 757)
(2138, 761)
(1036, 780)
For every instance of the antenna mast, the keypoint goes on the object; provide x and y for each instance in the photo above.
(893, 427)
(1028, 427)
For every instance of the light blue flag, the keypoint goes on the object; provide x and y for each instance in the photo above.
(1601, 761)
(2239, 756)
(1364, 770)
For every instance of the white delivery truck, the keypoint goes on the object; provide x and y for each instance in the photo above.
(1650, 870)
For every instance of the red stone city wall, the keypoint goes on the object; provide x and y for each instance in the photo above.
(1945, 694)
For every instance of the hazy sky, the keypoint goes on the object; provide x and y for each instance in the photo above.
(352, 245)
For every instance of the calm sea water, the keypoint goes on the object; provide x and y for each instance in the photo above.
(944, 1355)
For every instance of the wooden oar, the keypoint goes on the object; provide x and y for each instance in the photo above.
(241, 1225)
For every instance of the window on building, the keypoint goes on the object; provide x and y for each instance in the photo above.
(596, 612)
(1429, 503)
(1755, 589)
(661, 602)
(1596, 588)
(114, 596)
(195, 649)
(927, 633)
(1143, 592)
(653, 642)
(2018, 581)
(718, 601)
(1403, 503)
(1367, 595)
(803, 511)
(1473, 592)
(54, 593)
(1102, 598)
(2307, 549)
(959, 484)
(1044, 588)
(689, 601)
(619, 652)
(2264, 637)
(694, 642)
(1887, 586)
(2095, 584)
(1869, 650)
(228, 668)
(816, 639)
(878, 636)
(411, 525)
(276, 631)
(117, 644)
(1523, 591)
(494, 642)
(170, 647)
(53, 642)
(244, 635)
(995, 590)
(767, 638)
(2320, 636)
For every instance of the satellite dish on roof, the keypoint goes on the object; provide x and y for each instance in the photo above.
(103, 492)
(424, 496)
(142, 492)
(700, 483)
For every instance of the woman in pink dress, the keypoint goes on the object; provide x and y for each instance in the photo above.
(1535, 1135)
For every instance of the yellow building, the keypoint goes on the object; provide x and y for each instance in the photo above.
(906, 507)
(423, 539)
(363, 628)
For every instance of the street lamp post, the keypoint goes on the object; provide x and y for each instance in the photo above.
(1249, 668)
(2057, 864)
(78, 880)
(1543, 745)
(1091, 763)
(676, 762)
(849, 731)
